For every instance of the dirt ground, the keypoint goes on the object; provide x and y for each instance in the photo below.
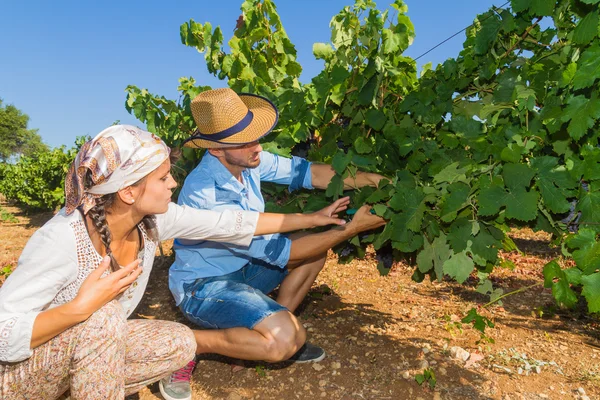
(380, 332)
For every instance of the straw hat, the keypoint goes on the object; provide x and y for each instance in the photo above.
(226, 119)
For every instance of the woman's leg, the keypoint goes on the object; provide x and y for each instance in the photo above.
(98, 364)
(87, 357)
(154, 350)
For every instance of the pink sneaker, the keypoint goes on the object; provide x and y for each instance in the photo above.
(177, 385)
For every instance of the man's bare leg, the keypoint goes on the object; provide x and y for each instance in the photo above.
(276, 338)
(301, 276)
(296, 285)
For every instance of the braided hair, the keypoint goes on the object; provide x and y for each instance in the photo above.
(98, 216)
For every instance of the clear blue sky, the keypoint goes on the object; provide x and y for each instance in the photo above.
(67, 63)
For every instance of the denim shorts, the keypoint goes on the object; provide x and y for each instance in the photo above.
(238, 299)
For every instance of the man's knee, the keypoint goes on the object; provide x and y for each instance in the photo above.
(279, 348)
(283, 334)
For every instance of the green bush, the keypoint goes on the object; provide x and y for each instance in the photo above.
(37, 182)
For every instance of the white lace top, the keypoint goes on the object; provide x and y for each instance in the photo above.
(60, 255)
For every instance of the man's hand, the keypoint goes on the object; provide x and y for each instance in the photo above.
(363, 220)
(335, 208)
(375, 178)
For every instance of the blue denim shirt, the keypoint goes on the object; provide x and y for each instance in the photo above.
(211, 186)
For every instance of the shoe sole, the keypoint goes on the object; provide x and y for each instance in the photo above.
(314, 360)
(167, 397)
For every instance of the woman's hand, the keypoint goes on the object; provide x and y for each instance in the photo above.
(335, 208)
(96, 291)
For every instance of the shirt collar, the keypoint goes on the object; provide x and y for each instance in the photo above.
(222, 176)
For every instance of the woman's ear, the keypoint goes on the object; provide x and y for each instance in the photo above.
(126, 195)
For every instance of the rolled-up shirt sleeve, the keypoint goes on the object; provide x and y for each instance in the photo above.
(231, 226)
(294, 172)
(47, 264)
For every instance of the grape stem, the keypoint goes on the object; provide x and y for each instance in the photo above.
(513, 292)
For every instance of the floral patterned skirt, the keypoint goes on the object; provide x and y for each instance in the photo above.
(104, 357)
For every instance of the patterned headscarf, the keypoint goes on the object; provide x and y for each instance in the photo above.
(118, 157)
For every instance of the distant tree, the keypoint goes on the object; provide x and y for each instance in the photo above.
(15, 138)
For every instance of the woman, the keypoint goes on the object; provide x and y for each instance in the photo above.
(63, 310)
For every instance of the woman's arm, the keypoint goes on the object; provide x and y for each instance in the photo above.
(94, 293)
(233, 226)
(279, 223)
(47, 264)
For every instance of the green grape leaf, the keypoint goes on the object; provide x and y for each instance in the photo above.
(375, 119)
(589, 205)
(408, 242)
(521, 204)
(520, 5)
(380, 209)
(484, 248)
(542, 8)
(411, 207)
(433, 256)
(555, 278)
(573, 275)
(517, 176)
(512, 153)
(403, 239)
(591, 291)
(454, 201)
(586, 29)
(553, 183)
(588, 68)
(368, 92)
(451, 173)
(554, 198)
(479, 321)
(461, 232)
(491, 199)
(582, 114)
(459, 266)
(587, 253)
(391, 41)
(585, 238)
(466, 127)
(363, 145)
(377, 196)
(590, 167)
(323, 51)
(336, 187)
(486, 36)
(293, 68)
(340, 161)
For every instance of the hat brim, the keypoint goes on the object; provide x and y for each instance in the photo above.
(264, 120)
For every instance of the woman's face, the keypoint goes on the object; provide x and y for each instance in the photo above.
(154, 193)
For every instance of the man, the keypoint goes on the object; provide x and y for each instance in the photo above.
(224, 288)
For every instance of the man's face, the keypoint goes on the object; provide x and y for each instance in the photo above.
(245, 156)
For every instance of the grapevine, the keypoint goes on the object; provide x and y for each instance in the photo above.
(504, 134)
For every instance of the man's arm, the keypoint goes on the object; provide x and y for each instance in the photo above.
(322, 173)
(318, 243)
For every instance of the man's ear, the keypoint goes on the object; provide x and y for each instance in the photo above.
(126, 195)
(216, 152)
